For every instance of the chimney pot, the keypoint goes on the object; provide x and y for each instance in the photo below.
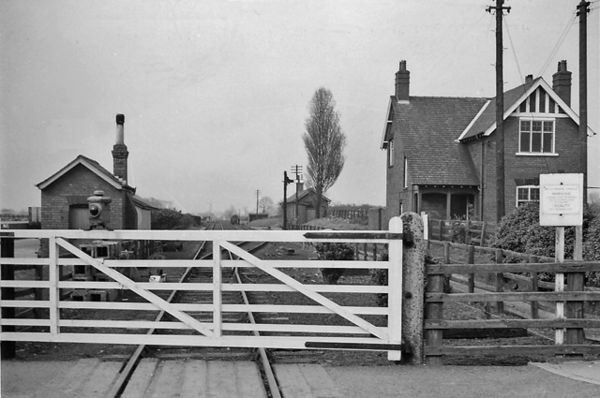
(402, 82)
(119, 151)
(528, 78)
(561, 82)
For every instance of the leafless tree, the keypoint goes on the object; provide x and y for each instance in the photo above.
(266, 203)
(324, 142)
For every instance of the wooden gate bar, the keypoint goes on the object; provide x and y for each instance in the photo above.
(53, 276)
(395, 289)
(131, 285)
(310, 293)
(7, 272)
(217, 298)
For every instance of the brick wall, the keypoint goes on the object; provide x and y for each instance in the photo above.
(73, 189)
(519, 167)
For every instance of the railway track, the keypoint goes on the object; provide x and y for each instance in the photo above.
(205, 275)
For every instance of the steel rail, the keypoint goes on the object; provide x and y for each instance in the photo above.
(264, 358)
(128, 368)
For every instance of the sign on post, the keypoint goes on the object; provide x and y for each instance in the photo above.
(561, 199)
(561, 205)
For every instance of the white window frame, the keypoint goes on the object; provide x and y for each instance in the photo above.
(518, 201)
(390, 153)
(541, 152)
(405, 173)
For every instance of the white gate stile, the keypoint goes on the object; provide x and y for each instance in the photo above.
(361, 325)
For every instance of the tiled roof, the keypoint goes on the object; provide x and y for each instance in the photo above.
(304, 193)
(428, 128)
(488, 116)
(93, 166)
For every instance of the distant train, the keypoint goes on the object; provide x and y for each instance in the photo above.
(235, 220)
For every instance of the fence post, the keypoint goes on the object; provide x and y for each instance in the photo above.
(7, 250)
(468, 232)
(395, 315)
(447, 277)
(435, 312)
(559, 281)
(413, 286)
(575, 283)
(499, 281)
(471, 260)
(483, 224)
(534, 288)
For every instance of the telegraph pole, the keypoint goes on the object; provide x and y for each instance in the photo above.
(257, 193)
(298, 170)
(582, 10)
(499, 10)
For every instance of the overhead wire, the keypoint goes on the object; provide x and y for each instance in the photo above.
(514, 51)
(559, 42)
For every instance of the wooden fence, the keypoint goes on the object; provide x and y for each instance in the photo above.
(485, 278)
(479, 233)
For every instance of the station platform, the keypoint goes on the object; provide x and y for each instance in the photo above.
(91, 377)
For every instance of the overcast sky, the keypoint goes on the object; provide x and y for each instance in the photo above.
(215, 93)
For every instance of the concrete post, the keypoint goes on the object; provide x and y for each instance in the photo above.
(413, 285)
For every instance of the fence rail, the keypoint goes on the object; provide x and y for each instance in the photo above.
(480, 233)
(480, 280)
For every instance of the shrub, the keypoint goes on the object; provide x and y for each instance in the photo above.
(334, 251)
(520, 232)
(172, 219)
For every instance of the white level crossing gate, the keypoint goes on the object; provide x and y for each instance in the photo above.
(295, 309)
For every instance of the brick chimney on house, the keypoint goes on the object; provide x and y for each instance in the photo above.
(402, 82)
(561, 82)
(119, 151)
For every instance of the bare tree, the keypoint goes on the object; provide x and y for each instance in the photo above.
(324, 142)
(266, 203)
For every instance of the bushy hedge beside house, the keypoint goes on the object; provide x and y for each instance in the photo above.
(520, 232)
(173, 219)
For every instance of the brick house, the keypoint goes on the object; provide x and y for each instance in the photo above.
(65, 193)
(441, 150)
(307, 202)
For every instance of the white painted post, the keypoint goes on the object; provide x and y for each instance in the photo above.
(559, 283)
(217, 300)
(53, 295)
(425, 218)
(395, 289)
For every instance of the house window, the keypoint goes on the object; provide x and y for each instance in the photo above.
(390, 153)
(536, 136)
(405, 173)
(527, 194)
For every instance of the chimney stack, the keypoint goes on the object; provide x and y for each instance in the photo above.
(402, 82)
(119, 151)
(561, 82)
(528, 79)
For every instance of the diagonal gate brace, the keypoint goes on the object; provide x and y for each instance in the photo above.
(131, 285)
(310, 293)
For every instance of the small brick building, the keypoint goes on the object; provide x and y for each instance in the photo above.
(307, 205)
(441, 150)
(65, 193)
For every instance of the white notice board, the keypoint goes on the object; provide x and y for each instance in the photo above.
(561, 199)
